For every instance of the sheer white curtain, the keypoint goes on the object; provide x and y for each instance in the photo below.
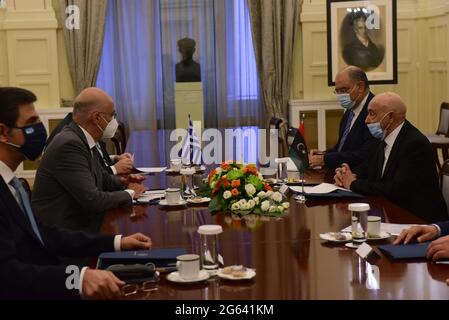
(140, 54)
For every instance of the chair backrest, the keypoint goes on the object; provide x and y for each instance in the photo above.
(445, 182)
(443, 126)
(120, 140)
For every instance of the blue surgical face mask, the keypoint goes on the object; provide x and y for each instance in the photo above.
(345, 100)
(376, 129)
(35, 139)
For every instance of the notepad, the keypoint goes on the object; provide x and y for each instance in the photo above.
(407, 251)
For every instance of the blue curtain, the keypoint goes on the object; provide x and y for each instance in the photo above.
(140, 53)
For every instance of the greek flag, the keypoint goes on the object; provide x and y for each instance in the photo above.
(190, 152)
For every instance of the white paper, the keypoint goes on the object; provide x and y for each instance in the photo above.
(392, 228)
(152, 170)
(319, 189)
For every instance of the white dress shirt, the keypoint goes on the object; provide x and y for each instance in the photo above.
(389, 140)
(7, 175)
(358, 109)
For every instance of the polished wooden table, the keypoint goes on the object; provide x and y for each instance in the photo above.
(291, 262)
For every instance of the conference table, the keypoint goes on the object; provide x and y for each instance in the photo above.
(290, 260)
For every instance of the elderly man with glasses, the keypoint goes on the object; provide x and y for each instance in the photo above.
(355, 142)
(72, 190)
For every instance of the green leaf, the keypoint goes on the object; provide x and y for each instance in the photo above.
(234, 175)
(215, 205)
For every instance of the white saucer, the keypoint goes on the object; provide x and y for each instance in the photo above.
(331, 238)
(203, 200)
(165, 203)
(174, 277)
(382, 236)
(352, 245)
(172, 171)
(250, 273)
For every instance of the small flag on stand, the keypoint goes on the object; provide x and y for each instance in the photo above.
(190, 152)
(302, 128)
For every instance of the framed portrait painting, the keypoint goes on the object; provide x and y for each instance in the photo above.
(363, 34)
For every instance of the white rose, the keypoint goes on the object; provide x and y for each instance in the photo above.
(250, 189)
(242, 202)
(227, 194)
(280, 208)
(218, 171)
(286, 205)
(269, 194)
(273, 209)
(251, 204)
(235, 206)
(262, 195)
(265, 206)
(257, 200)
(277, 196)
(260, 176)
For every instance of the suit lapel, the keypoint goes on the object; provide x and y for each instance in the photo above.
(360, 122)
(14, 209)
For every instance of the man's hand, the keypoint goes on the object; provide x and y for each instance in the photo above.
(132, 178)
(124, 166)
(344, 176)
(138, 189)
(316, 158)
(137, 241)
(439, 249)
(125, 156)
(101, 285)
(421, 233)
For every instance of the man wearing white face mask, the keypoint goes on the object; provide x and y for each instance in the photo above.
(403, 167)
(70, 183)
(355, 143)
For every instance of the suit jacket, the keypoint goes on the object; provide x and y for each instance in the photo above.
(410, 178)
(71, 189)
(359, 143)
(30, 270)
(444, 226)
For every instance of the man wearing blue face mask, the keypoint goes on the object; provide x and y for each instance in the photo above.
(403, 167)
(355, 142)
(30, 267)
(72, 189)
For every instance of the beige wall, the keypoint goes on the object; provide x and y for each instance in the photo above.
(423, 58)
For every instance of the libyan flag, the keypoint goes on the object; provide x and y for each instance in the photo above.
(298, 153)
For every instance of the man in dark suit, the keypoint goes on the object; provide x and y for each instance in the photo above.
(403, 167)
(355, 143)
(72, 190)
(29, 250)
(117, 164)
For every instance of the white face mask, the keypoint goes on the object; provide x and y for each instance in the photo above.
(110, 129)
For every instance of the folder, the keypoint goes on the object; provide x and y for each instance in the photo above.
(161, 258)
(408, 251)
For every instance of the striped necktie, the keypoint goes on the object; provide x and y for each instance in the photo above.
(26, 206)
(347, 130)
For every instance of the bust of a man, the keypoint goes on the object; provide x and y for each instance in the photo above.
(187, 70)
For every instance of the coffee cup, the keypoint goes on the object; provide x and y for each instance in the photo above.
(176, 164)
(173, 195)
(188, 266)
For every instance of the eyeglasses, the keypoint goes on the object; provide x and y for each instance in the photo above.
(136, 288)
(114, 115)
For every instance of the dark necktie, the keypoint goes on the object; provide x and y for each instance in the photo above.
(26, 206)
(347, 130)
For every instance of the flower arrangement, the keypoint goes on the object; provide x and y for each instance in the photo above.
(242, 190)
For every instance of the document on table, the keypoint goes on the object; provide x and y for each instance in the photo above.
(392, 228)
(323, 188)
(151, 170)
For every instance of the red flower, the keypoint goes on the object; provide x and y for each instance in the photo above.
(226, 183)
(236, 183)
(267, 187)
(225, 166)
(235, 192)
(211, 174)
